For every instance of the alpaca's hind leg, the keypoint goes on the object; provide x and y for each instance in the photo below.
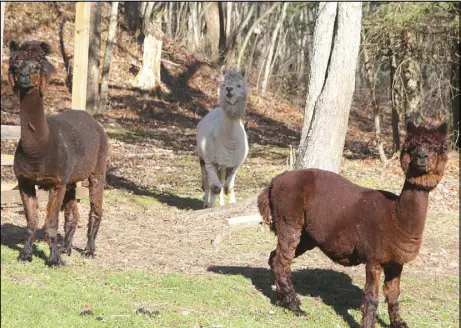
(280, 262)
(391, 290)
(96, 187)
(56, 198)
(370, 297)
(213, 183)
(306, 244)
(205, 187)
(29, 200)
(70, 205)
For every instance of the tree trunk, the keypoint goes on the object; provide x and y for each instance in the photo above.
(92, 87)
(411, 76)
(211, 16)
(331, 85)
(396, 95)
(271, 50)
(374, 103)
(228, 22)
(148, 77)
(107, 57)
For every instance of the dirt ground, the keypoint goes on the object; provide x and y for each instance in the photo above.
(153, 189)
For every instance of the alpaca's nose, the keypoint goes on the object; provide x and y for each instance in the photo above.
(24, 78)
(229, 89)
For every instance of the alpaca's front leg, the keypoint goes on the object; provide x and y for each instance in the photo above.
(229, 185)
(370, 297)
(391, 290)
(29, 200)
(213, 183)
(222, 179)
(56, 198)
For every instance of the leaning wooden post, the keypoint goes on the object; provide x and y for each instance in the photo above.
(81, 43)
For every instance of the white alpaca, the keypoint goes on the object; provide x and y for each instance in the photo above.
(222, 143)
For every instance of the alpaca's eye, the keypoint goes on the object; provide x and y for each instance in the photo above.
(239, 86)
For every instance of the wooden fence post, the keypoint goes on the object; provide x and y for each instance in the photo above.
(81, 43)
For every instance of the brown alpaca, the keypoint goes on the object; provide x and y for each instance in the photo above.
(352, 224)
(54, 153)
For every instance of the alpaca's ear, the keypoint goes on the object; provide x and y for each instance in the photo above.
(46, 47)
(13, 46)
(443, 129)
(243, 72)
(223, 70)
(411, 127)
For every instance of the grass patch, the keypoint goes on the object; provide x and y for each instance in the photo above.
(239, 297)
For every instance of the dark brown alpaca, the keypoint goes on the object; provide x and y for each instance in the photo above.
(54, 153)
(352, 224)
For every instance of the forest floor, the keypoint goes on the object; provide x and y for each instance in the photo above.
(153, 193)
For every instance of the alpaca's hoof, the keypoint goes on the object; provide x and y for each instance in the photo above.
(66, 250)
(400, 324)
(300, 313)
(25, 257)
(55, 261)
(88, 252)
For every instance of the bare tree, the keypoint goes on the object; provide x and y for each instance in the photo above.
(250, 31)
(331, 85)
(411, 76)
(92, 87)
(148, 77)
(107, 58)
(377, 112)
(271, 48)
(396, 90)
(212, 21)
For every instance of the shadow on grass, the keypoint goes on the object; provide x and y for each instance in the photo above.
(334, 288)
(13, 235)
(163, 197)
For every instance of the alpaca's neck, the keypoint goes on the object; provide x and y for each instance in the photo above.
(34, 128)
(411, 209)
(231, 130)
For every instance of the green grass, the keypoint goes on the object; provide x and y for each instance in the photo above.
(34, 295)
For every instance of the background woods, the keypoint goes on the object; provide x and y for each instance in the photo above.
(154, 70)
(407, 68)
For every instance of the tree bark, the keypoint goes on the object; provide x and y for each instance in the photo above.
(212, 21)
(107, 58)
(331, 85)
(374, 103)
(148, 77)
(92, 87)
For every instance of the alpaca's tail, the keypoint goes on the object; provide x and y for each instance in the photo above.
(264, 206)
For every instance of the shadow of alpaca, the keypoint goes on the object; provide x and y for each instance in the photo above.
(163, 197)
(13, 235)
(334, 288)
